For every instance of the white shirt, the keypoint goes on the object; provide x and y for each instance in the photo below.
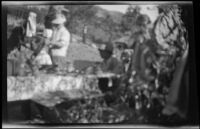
(61, 37)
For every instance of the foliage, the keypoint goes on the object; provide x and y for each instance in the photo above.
(79, 15)
(109, 26)
(130, 17)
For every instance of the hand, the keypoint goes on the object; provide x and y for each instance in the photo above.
(50, 45)
(89, 70)
(54, 46)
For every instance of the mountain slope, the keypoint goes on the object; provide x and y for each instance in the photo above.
(116, 16)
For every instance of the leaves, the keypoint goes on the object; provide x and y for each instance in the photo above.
(129, 19)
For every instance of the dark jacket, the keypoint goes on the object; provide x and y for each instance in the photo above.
(112, 65)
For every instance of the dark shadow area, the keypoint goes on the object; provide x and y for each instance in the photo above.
(19, 111)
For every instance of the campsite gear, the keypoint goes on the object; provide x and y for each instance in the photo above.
(31, 25)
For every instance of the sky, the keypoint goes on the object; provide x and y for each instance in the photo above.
(145, 9)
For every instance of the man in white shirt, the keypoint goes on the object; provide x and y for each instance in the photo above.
(59, 41)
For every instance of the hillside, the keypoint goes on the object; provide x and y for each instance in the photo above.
(79, 13)
(82, 55)
(80, 51)
(116, 16)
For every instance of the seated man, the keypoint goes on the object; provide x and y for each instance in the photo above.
(110, 63)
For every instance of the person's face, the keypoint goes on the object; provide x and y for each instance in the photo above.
(105, 55)
(56, 26)
(126, 57)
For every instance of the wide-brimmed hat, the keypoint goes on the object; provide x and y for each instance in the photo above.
(59, 19)
(58, 9)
